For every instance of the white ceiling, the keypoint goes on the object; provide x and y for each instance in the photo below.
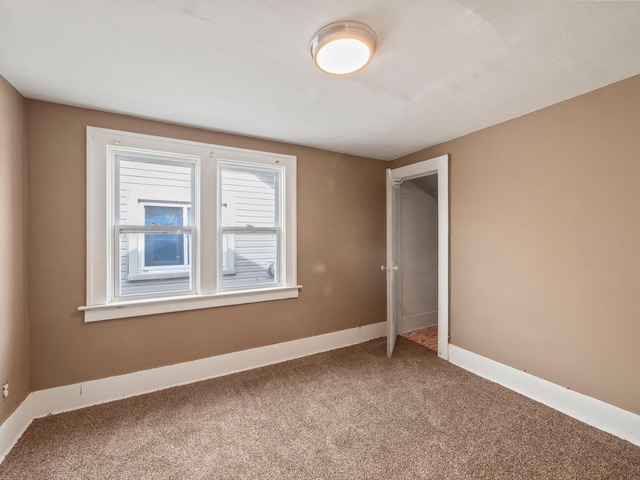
(443, 68)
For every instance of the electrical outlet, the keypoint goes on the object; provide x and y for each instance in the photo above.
(5, 389)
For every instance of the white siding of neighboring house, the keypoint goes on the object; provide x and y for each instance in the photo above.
(248, 198)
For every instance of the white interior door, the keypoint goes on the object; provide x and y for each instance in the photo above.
(391, 267)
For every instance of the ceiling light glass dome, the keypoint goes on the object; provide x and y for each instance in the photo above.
(343, 47)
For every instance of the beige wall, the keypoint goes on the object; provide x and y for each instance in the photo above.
(14, 327)
(545, 242)
(341, 224)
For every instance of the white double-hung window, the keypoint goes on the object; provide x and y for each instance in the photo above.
(176, 225)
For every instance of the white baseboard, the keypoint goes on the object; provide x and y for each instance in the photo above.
(14, 426)
(606, 417)
(71, 397)
(411, 323)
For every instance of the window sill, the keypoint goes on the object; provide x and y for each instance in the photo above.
(152, 306)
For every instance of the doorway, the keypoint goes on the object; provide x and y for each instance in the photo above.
(418, 260)
(418, 251)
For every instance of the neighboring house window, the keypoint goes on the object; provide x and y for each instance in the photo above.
(165, 251)
(175, 225)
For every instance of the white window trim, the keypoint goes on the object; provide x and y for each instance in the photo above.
(151, 306)
(100, 283)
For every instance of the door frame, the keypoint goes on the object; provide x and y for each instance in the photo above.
(439, 166)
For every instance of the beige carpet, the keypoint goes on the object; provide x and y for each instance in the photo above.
(346, 414)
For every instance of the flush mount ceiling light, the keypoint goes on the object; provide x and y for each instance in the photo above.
(343, 47)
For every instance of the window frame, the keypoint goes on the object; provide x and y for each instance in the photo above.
(101, 304)
(233, 230)
(117, 153)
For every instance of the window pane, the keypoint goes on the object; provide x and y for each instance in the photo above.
(249, 197)
(139, 276)
(164, 250)
(167, 249)
(256, 260)
(158, 215)
(144, 181)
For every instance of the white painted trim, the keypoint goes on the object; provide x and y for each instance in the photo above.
(439, 166)
(606, 417)
(14, 426)
(392, 264)
(150, 306)
(71, 397)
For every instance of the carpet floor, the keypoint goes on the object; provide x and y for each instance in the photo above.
(345, 414)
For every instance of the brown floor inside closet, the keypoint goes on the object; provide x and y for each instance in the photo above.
(425, 336)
